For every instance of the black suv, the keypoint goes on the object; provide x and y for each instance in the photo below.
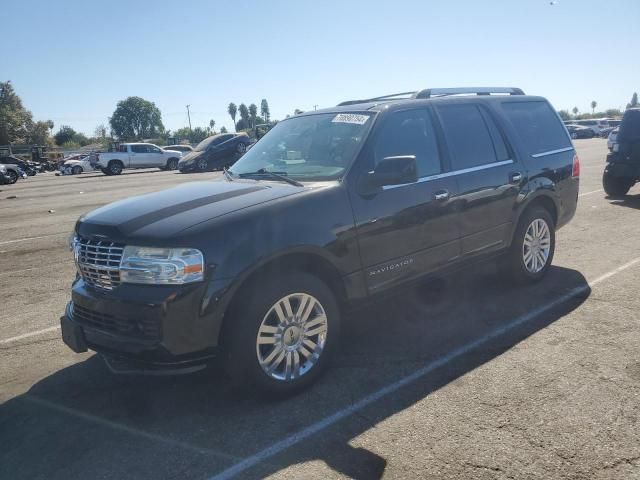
(327, 209)
(214, 152)
(623, 163)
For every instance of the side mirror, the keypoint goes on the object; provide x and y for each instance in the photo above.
(390, 171)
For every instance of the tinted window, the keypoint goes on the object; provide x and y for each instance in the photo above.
(467, 136)
(139, 148)
(537, 125)
(409, 133)
(152, 149)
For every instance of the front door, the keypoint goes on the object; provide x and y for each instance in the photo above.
(405, 230)
(488, 173)
(139, 156)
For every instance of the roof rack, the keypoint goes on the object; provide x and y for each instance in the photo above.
(438, 92)
(433, 92)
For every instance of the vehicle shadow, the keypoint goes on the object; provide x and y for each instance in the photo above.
(630, 201)
(84, 422)
(123, 174)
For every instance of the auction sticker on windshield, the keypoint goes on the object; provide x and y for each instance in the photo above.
(351, 118)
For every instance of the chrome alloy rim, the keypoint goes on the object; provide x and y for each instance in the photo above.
(536, 246)
(291, 337)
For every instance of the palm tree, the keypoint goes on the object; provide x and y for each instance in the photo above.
(575, 110)
(212, 124)
(232, 109)
(244, 114)
(264, 110)
(594, 104)
(253, 113)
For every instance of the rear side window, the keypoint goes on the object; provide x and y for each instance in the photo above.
(409, 133)
(537, 125)
(468, 136)
(139, 148)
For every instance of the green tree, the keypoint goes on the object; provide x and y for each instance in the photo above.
(223, 129)
(613, 112)
(253, 113)
(264, 109)
(297, 111)
(232, 110)
(100, 131)
(564, 114)
(14, 118)
(634, 101)
(65, 134)
(136, 118)
(212, 126)
(594, 104)
(244, 115)
(575, 110)
(38, 133)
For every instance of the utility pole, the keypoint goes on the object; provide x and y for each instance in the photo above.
(189, 116)
(315, 107)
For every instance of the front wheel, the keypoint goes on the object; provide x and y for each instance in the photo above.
(172, 164)
(531, 252)
(77, 170)
(241, 148)
(202, 164)
(281, 340)
(616, 186)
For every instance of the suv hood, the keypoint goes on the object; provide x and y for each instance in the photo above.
(164, 214)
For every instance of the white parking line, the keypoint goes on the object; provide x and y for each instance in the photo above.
(124, 428)
(589, 193)
(30, 334)
(326, 422)
(26, 239)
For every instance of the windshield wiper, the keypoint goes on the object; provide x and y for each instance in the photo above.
(277, 175)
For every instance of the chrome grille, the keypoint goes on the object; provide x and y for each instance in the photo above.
(99, 262)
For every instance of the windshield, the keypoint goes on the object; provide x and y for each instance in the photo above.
(205, 143)
(308, 148)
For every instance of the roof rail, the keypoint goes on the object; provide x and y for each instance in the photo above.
(392, 96)
(432, 92)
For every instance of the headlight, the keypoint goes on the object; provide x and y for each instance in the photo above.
(161, 266)
(71, 241)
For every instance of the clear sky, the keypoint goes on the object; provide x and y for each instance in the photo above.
(72, 61)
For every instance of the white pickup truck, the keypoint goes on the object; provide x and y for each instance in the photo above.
(137, 155)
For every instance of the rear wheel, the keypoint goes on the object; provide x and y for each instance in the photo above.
(532, 248)
(241, 147)
(616, 186)
(115, 167)
(283, 338)
(172, 164)
(77, 170)
(13, 176)
(106, 171)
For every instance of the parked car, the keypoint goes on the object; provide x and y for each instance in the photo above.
(611, 140)
(328, 209)
(76, 166)
(4, 176)
(25, 166)
(623, 162)
(184, 149)
(137, 155)
(576, 131)
(214, 152)
(14, 172)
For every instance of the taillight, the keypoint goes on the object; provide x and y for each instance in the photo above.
(575, 172)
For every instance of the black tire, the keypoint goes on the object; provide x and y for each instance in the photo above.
(616, 186)
(202, 165)
(105, 171)
(513, 264)
(241, 147)
(574, 136)
(13, 176)
(77, 170)
(172, 164)
(115, 167)
(240, 339)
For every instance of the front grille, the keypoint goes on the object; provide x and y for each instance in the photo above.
(99, 262)
(141, 328)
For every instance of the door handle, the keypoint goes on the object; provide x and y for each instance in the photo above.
(441, 195)
(515, 177)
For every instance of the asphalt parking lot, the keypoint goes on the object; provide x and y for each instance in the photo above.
(483, 380)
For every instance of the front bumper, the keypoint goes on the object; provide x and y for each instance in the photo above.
(157, 326)
(187, 167)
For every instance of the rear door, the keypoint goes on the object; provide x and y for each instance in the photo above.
(406, 230)
(489, 176)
